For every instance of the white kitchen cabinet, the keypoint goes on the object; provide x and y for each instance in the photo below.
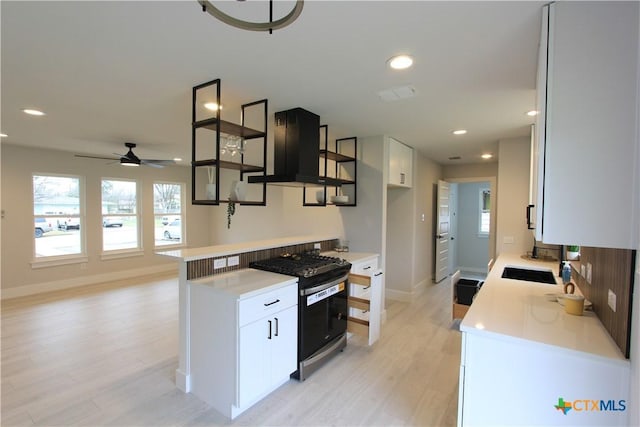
(267, 354)
(586, 129)
(242, 346)
(518, 382)
(400, 164)
(365, 299)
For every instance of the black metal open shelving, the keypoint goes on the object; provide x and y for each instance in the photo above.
(214, 161)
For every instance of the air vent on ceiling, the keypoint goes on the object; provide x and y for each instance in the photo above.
(396, 93)
(455, 158)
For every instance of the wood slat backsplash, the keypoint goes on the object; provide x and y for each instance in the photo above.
(204, 267)
(611, 269)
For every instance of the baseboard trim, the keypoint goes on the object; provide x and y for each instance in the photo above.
(57, 285)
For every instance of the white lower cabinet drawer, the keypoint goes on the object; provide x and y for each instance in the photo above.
(252, 309)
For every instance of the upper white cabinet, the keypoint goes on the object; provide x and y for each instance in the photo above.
(400, 164)
(588, 123)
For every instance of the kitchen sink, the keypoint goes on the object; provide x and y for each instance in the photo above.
(530, 275)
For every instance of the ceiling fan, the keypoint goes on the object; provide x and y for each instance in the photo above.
(130, 159)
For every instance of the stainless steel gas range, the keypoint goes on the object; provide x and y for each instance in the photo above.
(322, 305)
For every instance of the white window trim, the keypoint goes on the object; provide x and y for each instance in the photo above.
(183, 242)
(55, 260)
(122, 253)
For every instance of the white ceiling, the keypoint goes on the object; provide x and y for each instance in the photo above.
(109, 72)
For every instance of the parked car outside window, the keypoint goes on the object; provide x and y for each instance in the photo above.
(173, 230)
(68, 223)
(112, 222)
(42, 225)
(167, 219)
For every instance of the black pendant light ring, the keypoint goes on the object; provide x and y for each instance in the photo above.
(253, 26)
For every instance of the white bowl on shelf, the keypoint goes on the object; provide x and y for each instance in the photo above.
(339, 200)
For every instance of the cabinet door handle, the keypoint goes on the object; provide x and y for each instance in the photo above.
(377, 274)
(276, 334)
(365, 288)
(271, 303)
(269, 337)
(368, 267)
(529, 207)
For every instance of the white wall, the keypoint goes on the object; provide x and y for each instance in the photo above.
(206, 225)
(472, 249)
(513, 196)
(18, 166)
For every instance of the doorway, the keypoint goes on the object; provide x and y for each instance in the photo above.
(472, 239)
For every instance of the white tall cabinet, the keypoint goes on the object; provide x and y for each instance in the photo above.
(586, 129)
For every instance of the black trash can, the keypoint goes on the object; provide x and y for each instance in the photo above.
(466, 290)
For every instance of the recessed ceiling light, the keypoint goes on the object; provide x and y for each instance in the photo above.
(459, 132)
(3, 135)
(400, 62)
(33, 112)
(532, 113)
(212, 106)
(487, 156)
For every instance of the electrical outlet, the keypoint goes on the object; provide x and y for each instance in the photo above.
(422, 217)
(612, 300)
(233, 260)
(219, 263)
(589, 273)
(316, 246)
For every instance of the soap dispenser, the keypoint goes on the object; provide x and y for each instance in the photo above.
(566, 272)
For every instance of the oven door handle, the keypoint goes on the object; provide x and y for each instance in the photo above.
(309, 291)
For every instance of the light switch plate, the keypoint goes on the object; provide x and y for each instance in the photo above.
(583, 270)
(233, 260)
(611, 299)
(219, 263)
(589, 271)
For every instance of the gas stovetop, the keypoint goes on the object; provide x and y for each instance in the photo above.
(305, 265)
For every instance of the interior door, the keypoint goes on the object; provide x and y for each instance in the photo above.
(441, 268)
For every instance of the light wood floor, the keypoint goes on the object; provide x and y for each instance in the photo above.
(107, 354)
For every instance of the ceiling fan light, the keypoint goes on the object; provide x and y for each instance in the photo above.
(124, 161)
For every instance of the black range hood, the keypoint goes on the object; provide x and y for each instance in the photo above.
(297, 151)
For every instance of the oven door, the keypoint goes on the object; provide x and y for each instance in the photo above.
(323, 315)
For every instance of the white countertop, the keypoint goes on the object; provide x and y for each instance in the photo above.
(245, 283)
(518, 309)
(192, 254)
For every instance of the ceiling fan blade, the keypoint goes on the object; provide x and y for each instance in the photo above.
(159, 162)
(96, 157)
(152, 164)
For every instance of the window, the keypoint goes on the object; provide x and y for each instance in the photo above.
(168, 214)
(57, 216)
(120, 230)
(484, 212)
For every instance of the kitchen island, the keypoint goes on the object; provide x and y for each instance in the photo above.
(525, 361)
(206, 262)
